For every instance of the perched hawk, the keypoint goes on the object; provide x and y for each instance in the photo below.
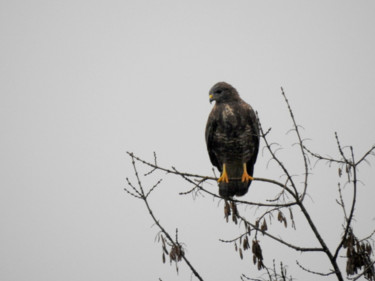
(232, 138)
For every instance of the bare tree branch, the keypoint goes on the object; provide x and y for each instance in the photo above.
(300, 143)
(314, 272)
(351, 214)
(281, 241)
(143, 197)
(290, 196)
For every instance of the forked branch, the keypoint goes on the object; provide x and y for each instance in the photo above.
(290, 196)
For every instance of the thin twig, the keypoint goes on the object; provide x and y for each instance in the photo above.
(319, 157)
(300, 142)
(198, 185)
(297, 248)
(143, 196)
(351, 214)
(183, 174)
(370, 152)
(314, 272)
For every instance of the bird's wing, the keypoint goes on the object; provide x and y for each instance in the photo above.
(210, 132)
(252, 120)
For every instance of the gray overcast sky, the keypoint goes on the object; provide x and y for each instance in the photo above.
(82, 82)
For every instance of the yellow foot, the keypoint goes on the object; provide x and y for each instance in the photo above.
(224, 175)
(245, 176)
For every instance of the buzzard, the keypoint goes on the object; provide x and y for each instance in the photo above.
(232, 138)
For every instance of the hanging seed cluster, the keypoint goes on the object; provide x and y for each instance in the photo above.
(243, 245)
(281, 218)
(231, 209)
(358, 254)
(257, 254)
(175, 253)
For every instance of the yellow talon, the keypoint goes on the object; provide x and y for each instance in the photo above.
(224, 175)
(245, 176)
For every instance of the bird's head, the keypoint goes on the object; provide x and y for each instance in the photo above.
(223, 92)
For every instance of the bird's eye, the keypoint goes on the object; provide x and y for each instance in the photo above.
(218, 91)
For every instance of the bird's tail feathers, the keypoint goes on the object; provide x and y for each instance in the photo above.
(233, 188)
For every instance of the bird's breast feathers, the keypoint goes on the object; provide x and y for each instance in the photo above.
(228, 111)
(229, 115)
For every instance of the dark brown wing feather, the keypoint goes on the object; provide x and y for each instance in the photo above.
(253, 122)
(211, 127)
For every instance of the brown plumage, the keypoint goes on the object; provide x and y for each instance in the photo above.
(232, 138)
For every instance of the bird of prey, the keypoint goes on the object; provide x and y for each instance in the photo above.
(232, 138)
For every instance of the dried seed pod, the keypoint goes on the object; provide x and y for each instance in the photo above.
(280, 216)
(234, 218)
(165, 250)
(172, 255)
(240, 251)
(257, 224)
(245, 244)
(226, 210)
(234, 212)
(234, 208)
(264, 227)
(260, 264)
(257, 254)
(257, 250)
(254, 247)
(291, 218)
(176, 253)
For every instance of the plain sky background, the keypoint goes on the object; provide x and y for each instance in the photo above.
(82, 82)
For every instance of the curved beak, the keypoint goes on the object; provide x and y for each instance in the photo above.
(211, 98)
